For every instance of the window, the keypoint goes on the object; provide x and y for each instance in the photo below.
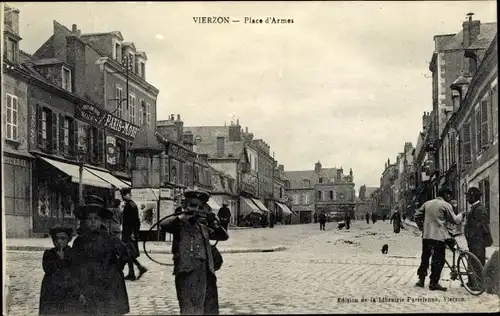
(120, 154)
(43, 130)
(331, 195)
(320, 180)
(306, 198)
(477, 117)
(281, 192)
(484, 187)
(66, 135)
(12, 114)
(118, 50)
(494, 112)
(97, 146)
(66, 79)
(142, 113)
(466, 143)
(11, 51)
(485, 110)
(148, 113)
(119, 98)
(320, 195)
(131, 108)
(296, 199)
(131, 62)
(143, 70)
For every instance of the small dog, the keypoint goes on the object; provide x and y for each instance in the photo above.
(385, 249)
(341, 225)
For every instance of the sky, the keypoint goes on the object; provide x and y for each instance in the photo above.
(346, 84)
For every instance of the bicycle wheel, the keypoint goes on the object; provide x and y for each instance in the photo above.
(470, 270)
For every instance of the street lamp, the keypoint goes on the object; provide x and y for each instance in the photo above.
(81, 160)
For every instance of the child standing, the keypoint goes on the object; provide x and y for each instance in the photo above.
(99, 262)
(59, 293)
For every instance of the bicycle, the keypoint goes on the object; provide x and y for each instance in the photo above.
(470, 267)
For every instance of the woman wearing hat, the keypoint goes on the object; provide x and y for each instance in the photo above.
(59, 292)
(99, 262)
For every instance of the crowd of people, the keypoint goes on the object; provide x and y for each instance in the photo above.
(88, 278)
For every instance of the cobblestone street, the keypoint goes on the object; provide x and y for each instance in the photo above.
(319, 269)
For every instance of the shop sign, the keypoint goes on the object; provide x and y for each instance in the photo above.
(101, 118)
(180, 153)
(15, 161)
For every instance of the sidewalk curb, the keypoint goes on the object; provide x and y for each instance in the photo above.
(163, 251)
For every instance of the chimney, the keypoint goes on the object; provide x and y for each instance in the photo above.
(11, 18)
(471, 30)
(238, 122)
(246, 130)
(350, 172)
(408, 147)
(339, 174)
(180, 127)
(178, 117)
(220, 146)
(317, 167)
(74, 29)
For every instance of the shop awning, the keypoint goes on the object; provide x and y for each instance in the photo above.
(117, 183)
(90, 176)
(213, 205)
(284, 208)
(261, 206)
(248, 207)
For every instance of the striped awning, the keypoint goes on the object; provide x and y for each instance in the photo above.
(247, 207)
(261, 206)
(284, 208)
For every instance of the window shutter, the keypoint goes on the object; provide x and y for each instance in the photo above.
(467, 144)
(39, 125)
(494, 112)
(484, 124)
(478, 131)
(486, 194)
(71, 137)
(61, 134)
(50, 130)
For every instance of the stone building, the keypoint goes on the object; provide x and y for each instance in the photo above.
(476, 124)
(454, 55)
(69, 125)
(17, 161)
(387, 190)
(365, 202)
(235, 152)
(321, 189)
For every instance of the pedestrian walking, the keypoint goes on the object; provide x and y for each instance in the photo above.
(347, 221)
(99, 259)
(367, 216)
(194, 266)
(432, 217)
(396, 221)
(272, 218)
(59, 294)
(374, 217)
(322, 220)
(224, 215)
(130, 234)
(115, 222)
(477, 228)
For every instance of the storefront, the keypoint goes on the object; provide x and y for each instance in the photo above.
(17, 194)
(283, 213)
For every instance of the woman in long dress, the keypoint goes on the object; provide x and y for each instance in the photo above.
(99, 262)
(396, 221)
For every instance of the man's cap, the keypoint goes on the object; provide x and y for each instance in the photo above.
(125, 191)
(93, 204)
(56, 229)
(197, 194)
(474, 192)
(224, 204)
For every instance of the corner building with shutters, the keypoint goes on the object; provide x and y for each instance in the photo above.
(78, 110)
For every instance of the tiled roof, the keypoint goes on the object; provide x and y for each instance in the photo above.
(46, 61)
(488, 31)
(208, 134)
(231, 149)
(115, 33)
(296, 177)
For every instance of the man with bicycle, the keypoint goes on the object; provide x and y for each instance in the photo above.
(432, 218)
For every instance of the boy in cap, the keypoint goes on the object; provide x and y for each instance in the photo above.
(195, 280)
(224, 216)
(130, 234)
(477, 227)
(99, 261)
(59, 292)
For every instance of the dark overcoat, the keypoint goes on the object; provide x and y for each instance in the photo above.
(477, 231)
(396, 222)
(99, 262)
(131, 225)
(59, 293)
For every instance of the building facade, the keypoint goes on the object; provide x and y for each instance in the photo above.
(333, 192)
(17, 161)
(387, 189)
(476, 124)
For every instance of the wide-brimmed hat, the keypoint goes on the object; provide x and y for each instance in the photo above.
(197, 194)
(474, 192)
(93, 204)
(56, 229)
(125, 191)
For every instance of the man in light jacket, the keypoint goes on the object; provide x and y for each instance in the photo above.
(433, 216)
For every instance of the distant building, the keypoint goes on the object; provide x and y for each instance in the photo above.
(387, 189)
(321, 189)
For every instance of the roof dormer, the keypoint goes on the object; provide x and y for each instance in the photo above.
(140, 64)
(128, 55)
